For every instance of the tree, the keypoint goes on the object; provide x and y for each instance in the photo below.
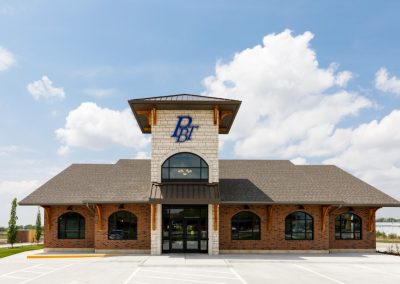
(12, 228)
(38, 228)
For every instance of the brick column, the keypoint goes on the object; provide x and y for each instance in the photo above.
(213, 229)
(156, 230)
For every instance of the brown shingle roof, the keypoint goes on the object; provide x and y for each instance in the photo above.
(241, 181)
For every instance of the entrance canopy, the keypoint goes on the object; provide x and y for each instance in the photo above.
(184, 193)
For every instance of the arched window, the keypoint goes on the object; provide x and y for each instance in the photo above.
(122, 225)
(184, 167)
(348, 227)
(71, 225)
(245, 226)
(299, 226)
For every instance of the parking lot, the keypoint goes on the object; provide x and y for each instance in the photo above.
(232, 269)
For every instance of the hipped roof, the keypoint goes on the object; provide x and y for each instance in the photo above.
(241, 181)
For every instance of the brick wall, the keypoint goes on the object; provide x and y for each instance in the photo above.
(51, 237)
(367, 238)
(204, 140)
(94, 237)
(273, 239)
(142, 212)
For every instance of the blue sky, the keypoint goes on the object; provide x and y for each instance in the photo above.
(106, 52)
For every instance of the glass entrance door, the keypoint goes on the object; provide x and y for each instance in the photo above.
(185, 228)
(192, 230)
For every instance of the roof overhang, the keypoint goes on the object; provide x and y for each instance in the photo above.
(145, 109)
(184, 193)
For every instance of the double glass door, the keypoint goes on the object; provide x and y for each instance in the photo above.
(185, 229)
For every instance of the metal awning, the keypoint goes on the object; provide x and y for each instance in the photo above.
(184, 193)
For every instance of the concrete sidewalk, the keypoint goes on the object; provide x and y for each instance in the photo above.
(19, 245)
(339, 268)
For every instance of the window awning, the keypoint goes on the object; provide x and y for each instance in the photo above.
(184, 193)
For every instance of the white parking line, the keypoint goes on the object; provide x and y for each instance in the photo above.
(319, 274)
(45, 273)
(180, 279)
(187, 274)
(15, 277)
(376, 270)
(132, 275)
(237, 275)
(19, 270)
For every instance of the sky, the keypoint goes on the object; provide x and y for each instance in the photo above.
(319, 82)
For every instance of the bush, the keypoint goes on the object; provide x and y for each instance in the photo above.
(381, 235)
(392, 236)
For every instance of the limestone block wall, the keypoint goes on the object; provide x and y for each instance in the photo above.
(204, 140)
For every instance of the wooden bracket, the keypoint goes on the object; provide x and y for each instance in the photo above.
(99, 217)
(215, 213)
(216, 114)
(324, 215)
(269, 217)
(47, 215)
(153, 217)
(146, 113)
(223, 114)
(371, 219)
(153, 116)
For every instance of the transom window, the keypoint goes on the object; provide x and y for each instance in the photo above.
(184, 167)
(71, 225)
(298, 226)
(348, 227)
(245, 226)
(122, 225)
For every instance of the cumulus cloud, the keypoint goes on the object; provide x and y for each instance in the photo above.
(10, 189)
(142, 155)
(385, 83)
(288, 108)
(6, 59)
(43, 89)
(291, 108)
(374, 153)
(99, 93)
(342, 78)
(18, 188)
(92, 127)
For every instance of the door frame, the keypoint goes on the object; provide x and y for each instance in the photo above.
(184, 234)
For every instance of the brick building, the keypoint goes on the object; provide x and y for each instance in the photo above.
(185, 199)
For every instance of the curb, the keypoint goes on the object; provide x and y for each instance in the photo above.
(68, 256)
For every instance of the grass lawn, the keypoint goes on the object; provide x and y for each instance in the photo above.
(10, 251)
(388, 241)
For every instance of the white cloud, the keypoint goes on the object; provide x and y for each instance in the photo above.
(6, 59)
(287, 107)
(142, 155)
(19, 189)
(299, 161)
(342, 78)
(43, 89)
(386, 84)
(373, 153)
(291, 109)
(13, 149)
(92, 127)
(99, 93)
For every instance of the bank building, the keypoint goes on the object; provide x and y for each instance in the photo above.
(186, 199)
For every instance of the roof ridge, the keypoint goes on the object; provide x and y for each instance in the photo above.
(181, 95)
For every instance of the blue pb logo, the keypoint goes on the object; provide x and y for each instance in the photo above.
(184, 128)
